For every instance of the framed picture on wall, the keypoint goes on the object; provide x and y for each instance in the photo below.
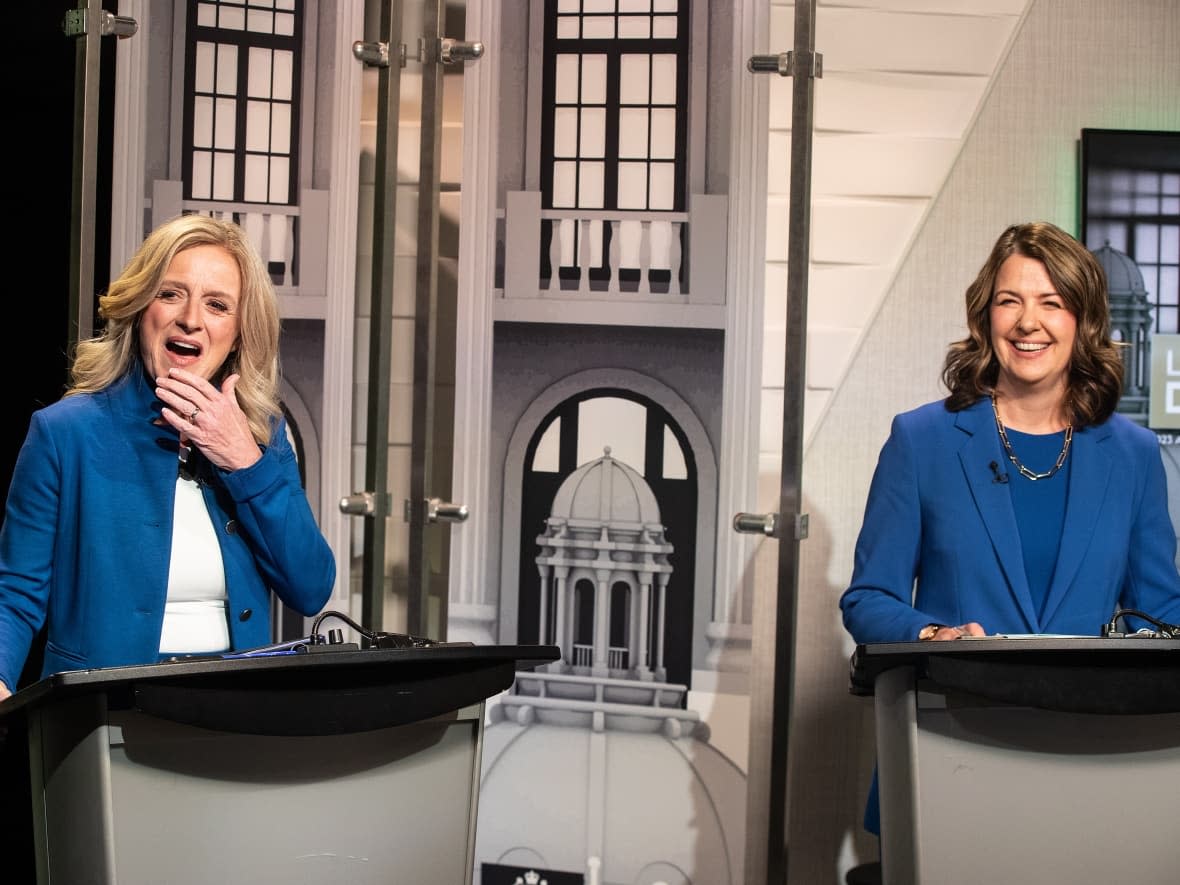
(1130, 218)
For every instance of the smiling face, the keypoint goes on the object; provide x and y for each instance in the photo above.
(193, 320)
(1032, 329)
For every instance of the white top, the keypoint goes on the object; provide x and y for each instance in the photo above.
(195, 619)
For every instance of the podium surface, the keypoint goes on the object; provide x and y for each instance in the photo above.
(1026, 760)
(350, 766)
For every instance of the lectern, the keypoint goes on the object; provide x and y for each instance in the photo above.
(357, 766)
(1027, 759)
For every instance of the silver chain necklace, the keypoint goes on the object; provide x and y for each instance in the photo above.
(1024, 471)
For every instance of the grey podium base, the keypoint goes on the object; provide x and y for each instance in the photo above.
(136, 800)
(978, 791)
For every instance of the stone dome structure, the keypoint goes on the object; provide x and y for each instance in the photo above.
(1130, 323)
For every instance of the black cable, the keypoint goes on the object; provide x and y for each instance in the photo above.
(1163, 629)
(376, 638)
(318, 639)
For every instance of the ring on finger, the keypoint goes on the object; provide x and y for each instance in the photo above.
(192, 416)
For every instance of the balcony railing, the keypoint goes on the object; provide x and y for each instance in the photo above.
(290, 239)
(593, 255)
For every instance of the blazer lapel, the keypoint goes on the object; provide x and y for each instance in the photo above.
(994, 501)
(1089, 475)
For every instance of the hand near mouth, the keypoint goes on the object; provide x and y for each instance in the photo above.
(209, 418)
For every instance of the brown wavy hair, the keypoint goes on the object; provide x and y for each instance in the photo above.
(1095, 366)
(108, 356)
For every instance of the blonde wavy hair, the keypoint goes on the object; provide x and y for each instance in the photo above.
(102, 360)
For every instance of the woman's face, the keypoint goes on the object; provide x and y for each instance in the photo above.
(193, 321)
(1032, 330)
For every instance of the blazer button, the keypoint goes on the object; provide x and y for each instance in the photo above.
(245, 615)
(231, 527)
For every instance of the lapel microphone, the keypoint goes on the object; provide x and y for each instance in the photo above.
(997, 476)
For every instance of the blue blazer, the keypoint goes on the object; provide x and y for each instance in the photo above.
(87, 534)
(940, 544)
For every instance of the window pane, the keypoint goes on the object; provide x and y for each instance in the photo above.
(225, 130)
(280, 129)
(285, 25)
(202, 175)
(663, 133)
(545, 458)
(257, 174)
(227, 70)
(1147, 244)
(231, 19)
(565, 87)
(598, 28)
(564, 179)
(259, 73)
(567, 27)
(632, 185)
(1169, 286)
(662, 193)
(284, 67)
(1170, 244)
(593, 134)
(633, 71)
(203, 67)
(257, 126)
(593, 79)
(202, 122)
(565, 132)
(663, 79)
(206, 15)
(280, 175)
(674, 466)
(590, 185)
(664, 27)
(260, 21)
(223, 176)
(634, 27)
(614, 423)
(633, 132)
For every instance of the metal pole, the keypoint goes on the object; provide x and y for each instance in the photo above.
(789, 525)
(83, 24)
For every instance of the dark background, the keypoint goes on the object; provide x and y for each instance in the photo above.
(39, 64)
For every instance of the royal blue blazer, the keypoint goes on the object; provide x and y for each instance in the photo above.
(940, 543)
(87, 534)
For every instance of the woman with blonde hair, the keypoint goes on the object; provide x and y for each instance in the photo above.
(155, 507)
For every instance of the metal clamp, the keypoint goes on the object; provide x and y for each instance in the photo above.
(788, 64)
(768, 524)
(451, 51)
(75, 24)
(359, 504)
(756, 524)
(438, 510)
(376, 55)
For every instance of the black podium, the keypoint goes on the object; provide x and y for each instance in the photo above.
(358, 766)
(1027, 760)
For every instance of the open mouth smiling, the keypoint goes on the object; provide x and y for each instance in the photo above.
(1028, 346)
(183, 348)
